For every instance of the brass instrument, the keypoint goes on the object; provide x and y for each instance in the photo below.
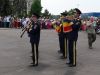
(28, 27)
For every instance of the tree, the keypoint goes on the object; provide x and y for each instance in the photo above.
(46, 13)
(36, 7)
(5, 7)
(13, 7)
(71, 12)
(19, 7)
(65, 12)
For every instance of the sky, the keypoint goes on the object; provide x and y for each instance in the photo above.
(57, 6)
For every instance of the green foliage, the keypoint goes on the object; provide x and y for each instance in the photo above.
(64, 13)
(13, 7)
(71, 12)
(5, 7)
(19, 8)
(46, 14)
(36, 7)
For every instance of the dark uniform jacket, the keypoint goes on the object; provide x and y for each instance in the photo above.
(75, 28)
(34, 33)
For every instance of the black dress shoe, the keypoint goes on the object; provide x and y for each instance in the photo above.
(37, 64)
(33, 65)
(71, 65)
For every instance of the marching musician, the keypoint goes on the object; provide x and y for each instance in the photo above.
(73, 37)
(59, 29)
(64, 29)
(34, 34)
(66, 24)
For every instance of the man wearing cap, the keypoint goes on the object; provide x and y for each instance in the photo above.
(73, 38)
(34, 34)
(66, 27)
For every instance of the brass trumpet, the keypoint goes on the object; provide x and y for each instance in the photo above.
(28, 27)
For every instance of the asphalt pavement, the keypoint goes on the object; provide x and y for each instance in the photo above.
(15, 55)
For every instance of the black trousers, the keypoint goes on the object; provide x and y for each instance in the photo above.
(35, 53)
(61, 42)
(65, 45)
(72, 52)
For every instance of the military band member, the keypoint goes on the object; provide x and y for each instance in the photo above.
(64, 30)
(58, 27)
(34, 34)
(73, 38)
(66, 24)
